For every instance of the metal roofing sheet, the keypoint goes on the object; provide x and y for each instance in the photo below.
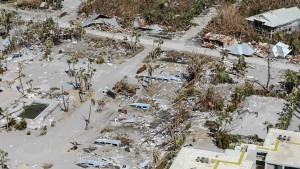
(140, 104)
(128, 121)
(241, 49)
(277, 17)
(280, 49)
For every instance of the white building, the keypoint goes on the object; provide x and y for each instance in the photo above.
(281, 150)
(283, 19)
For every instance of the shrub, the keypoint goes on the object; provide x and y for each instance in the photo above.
(221, 76)
(231, 22)
(223, 139)
(105, 130)
(33, 4)
(43, 130)
(47, 165)
(99, 60)
(178, 14)
(22, 125)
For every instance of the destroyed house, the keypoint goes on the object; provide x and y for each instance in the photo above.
(284, 19)
(93, 163)
(108, 141)
(140, 105)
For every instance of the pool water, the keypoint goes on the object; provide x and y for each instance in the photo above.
(33, 110)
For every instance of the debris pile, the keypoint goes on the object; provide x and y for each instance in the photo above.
(210, 40)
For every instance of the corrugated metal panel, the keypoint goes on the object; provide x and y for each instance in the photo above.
(140, 105)
(277, 17)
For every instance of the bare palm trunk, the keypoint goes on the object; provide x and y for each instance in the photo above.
(21, 83)
(80, 96)
(7, 122)
(269, 73)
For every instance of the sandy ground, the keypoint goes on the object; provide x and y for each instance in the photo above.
(255, 112)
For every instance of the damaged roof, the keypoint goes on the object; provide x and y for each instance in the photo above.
(99, 19)
(108, 141)
(280, 49)
(241, 49)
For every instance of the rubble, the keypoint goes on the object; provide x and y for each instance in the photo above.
(140, 105)
(210, 39)
(102, 20)
(108, 141)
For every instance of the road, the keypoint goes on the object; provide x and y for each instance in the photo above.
(54, 145)
(183, 44)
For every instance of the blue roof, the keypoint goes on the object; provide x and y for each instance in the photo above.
(92, 162)
(140, 105)
(108, 141)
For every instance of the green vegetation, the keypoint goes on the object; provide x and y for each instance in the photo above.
(22, 125)
(176, 15)
(221, 76)
(241, 64)
(218, 130)
(284, 121)
(3, 156)
(223, 139)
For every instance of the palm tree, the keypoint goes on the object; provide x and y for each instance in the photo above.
(269, 73)
(30, 83)
(21, 68)
(3, 156)
(90, 61)
(91, 74)
(65, 101)
(293, 100)
(224, 54)
(74, 61)
(86, 79)
(80, 76)
(136, 37)
(69, 61)
(150, 71)
(291, 80)
(48, 44)
(8, 20)
(87, 121)
(156, 52)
